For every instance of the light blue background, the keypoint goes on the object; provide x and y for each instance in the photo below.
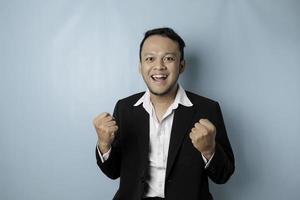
(63, 62)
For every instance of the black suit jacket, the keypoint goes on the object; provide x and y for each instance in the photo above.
(186, 176)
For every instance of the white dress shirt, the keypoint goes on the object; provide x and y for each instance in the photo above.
(160, 133)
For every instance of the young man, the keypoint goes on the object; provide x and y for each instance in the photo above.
(164, 143)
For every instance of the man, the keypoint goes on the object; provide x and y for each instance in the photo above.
(166, 142)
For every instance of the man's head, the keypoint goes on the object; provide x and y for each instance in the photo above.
(165, 32)
(161, 60)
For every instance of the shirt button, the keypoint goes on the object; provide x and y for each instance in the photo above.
(160, 184)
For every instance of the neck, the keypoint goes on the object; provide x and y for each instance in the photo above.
(164, 100)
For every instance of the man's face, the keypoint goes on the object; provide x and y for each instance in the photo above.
(160, 64)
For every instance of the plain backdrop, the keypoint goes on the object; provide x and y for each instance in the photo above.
(63, 62)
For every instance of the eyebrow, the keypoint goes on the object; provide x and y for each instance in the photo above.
(152, 53)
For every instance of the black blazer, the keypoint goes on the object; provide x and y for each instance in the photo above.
(186, 176)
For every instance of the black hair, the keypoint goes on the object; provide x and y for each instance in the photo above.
(165, 32)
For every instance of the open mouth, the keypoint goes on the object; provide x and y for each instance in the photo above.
(159, 77)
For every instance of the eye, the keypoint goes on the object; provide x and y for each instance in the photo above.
(169, 58)
(149, 59)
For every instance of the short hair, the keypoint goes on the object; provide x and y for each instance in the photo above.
(165, 32)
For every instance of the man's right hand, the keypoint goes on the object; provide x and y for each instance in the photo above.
(106, 128)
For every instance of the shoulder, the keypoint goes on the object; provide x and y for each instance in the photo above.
(204, 105)
(130, 100)
(196, 99)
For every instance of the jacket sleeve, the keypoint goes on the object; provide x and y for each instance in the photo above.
(111, 167)
(222, 164)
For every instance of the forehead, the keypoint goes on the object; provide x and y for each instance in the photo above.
(157, 43)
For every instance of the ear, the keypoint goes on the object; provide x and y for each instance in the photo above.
(182, 66)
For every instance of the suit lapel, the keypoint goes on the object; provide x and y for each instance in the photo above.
(142, 122)
(182, 121)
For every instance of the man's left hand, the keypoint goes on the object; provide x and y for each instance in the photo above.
(203, 137)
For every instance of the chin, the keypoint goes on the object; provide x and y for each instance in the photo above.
(161, 92)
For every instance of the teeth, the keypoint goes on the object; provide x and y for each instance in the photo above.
(159, 76)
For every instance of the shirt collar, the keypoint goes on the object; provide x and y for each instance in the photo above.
(181, 98)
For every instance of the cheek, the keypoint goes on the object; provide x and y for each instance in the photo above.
(175, 69)
(144, 72)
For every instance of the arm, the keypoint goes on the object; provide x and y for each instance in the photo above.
(222, 164)
(111, 166)
(209, 137)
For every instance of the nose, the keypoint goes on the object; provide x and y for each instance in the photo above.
(160, 65)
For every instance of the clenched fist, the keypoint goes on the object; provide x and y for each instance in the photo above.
(106, 128)
(203, 137)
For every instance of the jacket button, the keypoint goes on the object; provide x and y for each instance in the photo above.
(169, 181)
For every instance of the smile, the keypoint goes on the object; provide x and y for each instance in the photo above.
(159, 77)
